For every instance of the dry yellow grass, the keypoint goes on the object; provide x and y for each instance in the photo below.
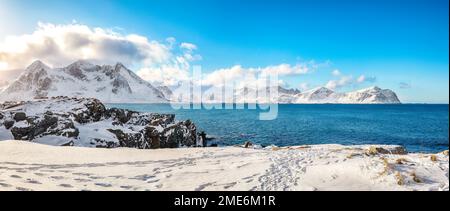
(387, 166)
(357, 149)
(301, 147)
(415, 178)
(372, 151)
(445, 152)
(400, 179)
(401, 161)
(353, 155)
(276, 149)
(434, 158)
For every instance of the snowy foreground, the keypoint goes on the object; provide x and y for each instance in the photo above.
(29, 166)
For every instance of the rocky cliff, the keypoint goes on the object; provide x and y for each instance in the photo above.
(86, 122)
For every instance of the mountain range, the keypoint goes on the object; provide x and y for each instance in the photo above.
(112, 84)
(118, 84)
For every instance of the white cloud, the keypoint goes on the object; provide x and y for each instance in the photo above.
(363, 79)
(336, 73)
(171, 41)
(404, 85)
(166, 62)
(59, 45)
(347, 80)
(234, 74)
(188, 46)
(342, 82)
(244, 76)
(304, 86)
(286, 69)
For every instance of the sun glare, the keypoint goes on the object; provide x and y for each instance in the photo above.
(3, 66)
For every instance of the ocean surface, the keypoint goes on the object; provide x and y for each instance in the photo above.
(420, 128)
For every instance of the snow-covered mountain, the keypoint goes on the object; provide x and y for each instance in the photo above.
(319, 95)
(6, 76)
(275, 94)
(117, 84)
(111, 84)
(373, 95)
(3, 85)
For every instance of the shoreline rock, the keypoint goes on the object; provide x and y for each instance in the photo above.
(65, 121)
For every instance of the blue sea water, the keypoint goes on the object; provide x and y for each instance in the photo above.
(420, 128)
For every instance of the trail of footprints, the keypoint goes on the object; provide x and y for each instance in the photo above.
(71, 177)
(66, 177)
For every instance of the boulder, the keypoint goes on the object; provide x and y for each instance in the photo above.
(248, 144)
(120, 116)
(94, 112)
(127, 139)
(152, 138)
(8, 124)
(20, 116)
(22, 133)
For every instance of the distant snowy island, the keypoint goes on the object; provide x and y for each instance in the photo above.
(118, 84)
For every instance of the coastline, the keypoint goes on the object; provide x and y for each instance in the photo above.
(30, 166)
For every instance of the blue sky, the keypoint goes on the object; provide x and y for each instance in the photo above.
(402, 45)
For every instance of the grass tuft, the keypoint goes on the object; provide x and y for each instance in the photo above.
(372, 151)
(434, 158)
(415, 178)
(401, 161)
(400, 179)
(387, 166)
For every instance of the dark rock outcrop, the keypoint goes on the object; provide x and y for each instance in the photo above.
(20, 116)
(8, 124)
(87, 122)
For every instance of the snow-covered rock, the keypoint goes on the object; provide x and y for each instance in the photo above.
(374, 95)
(86, 122)
(110, 84)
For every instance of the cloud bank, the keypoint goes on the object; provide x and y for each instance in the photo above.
(59, 45)
(347, 80)
(161, 62)
(245, 76)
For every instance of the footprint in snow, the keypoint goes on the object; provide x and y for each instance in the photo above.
(82, 180)
(203, 186)
(4, 185)
(230, 185)
(143, 177)
(126, 187)
(23, 189)
(57, 177)
(105, 185)
(31, 181)
(66, 185)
